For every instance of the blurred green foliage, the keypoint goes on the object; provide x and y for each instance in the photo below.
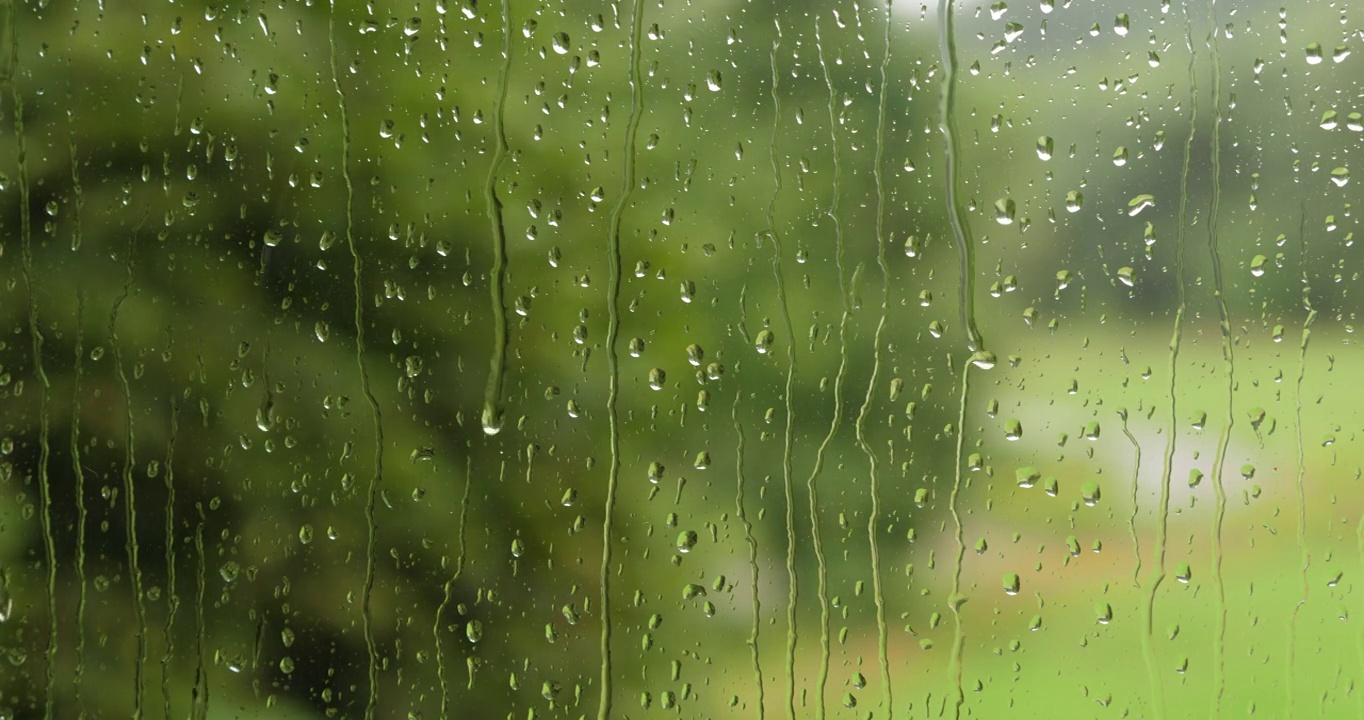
(258, 256)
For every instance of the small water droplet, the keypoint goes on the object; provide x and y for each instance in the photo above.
(1045, 147)
(1090, 493)
(1005, 210)
(1074, 200)
(491, 419)
(1139, 203)
(560, 43)
(1011, 583)
(763, 344)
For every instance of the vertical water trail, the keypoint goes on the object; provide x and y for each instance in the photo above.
(1224, 320)
(955, 600)
(835, 216)
(129, 493)
(752, 550)
(78, 472)
(199, 693)
(450, 588)
(613, 258)
(775, 237)
(878, 596)
(1176, 336)
(1359, 636)
(492, 401)
(1306, 556)
(172, 598)
(1147, 652)
(961, 226)
(961, 229)
(376, 480)
(44, 386)
(77, 193)
(1136, 477)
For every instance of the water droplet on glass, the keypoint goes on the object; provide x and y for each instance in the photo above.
(1139, 203)
(1089, 493)
(1005, 211)
(912, 246)
(1045, 147)
(1011, 583)
(764, 341)
(1074, 200)
(560, 43)
(491, 419)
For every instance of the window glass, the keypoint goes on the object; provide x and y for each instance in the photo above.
(496, 358)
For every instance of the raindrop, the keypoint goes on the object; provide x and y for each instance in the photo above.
(1089, 493)
(983, 359)
(1011, 583)
(1074, 200)
(1005, 211)
(1045, 147)
(763, 344)
(1139, 203)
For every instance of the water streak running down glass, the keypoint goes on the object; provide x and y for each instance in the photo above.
(715, 359)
